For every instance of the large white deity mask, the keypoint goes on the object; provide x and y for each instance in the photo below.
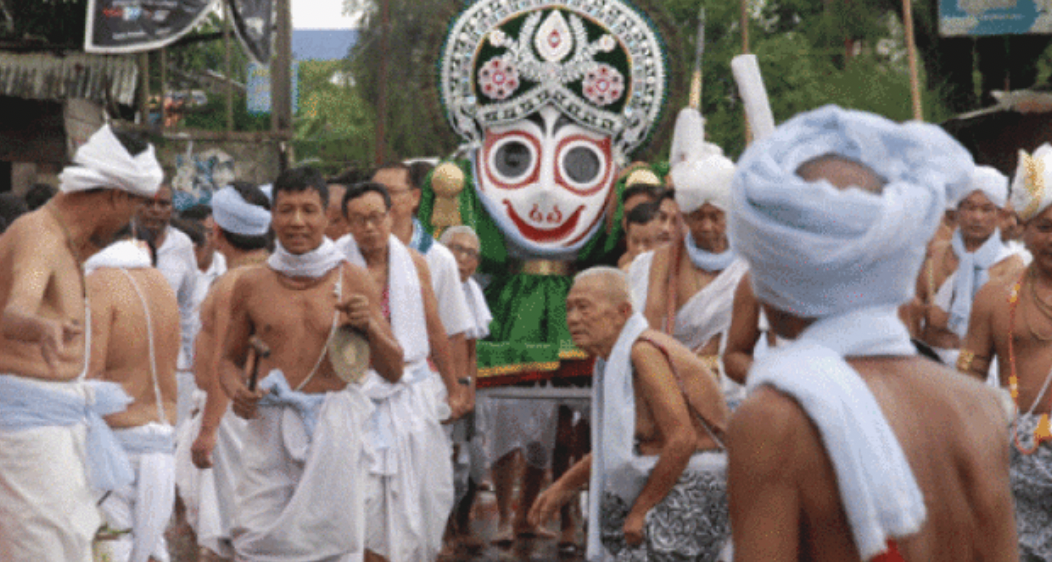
(552, 94)
(545, 180)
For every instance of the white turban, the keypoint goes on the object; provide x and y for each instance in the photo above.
(103, 162)
(992, 184)
(700, 172)
(235, 215)
(816, 250)
(1032, 184)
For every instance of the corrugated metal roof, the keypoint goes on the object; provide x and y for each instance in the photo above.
(42, 76)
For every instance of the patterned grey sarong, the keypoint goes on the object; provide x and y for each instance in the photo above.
(1032, 490)
(691, 524)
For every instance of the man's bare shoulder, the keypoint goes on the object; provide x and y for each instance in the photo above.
(993, 295)
(644, 351)
(968, 397)
(32, 234)
(1011, 266)
(775, 421)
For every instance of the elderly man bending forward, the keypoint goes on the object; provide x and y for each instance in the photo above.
(657, 470)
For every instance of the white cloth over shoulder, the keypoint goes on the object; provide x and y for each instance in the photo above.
(639, 279)
(708, 313)
(879, 492)
(973, 271)
(104, 162)
(613, 428)
(124, 254)
(407, 302)
(480, 313)
(815, 250)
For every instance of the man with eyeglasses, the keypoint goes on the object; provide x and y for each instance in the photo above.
(177, 261)
(406, 518)
(445, 280)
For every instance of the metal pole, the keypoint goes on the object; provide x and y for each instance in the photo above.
(911, 48)
(381, 93)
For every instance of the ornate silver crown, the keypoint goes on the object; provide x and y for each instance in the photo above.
(601, 62)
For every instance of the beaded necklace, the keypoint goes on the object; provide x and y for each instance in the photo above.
(1042, 432)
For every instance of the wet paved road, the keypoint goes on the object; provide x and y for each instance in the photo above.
(484, 525)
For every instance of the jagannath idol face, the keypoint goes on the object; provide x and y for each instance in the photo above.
(546, 179)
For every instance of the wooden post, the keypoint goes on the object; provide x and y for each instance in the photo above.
(745, 51)
(144, 87)
(281, 71)
(228, 69)
(164, 86)
(381, 90)
(911, 48)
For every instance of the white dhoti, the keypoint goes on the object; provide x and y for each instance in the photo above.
(208, 495)
(140, 511)
(184, 405)
(509, 424)
(47, 432)
(301, 497)
(407, 515)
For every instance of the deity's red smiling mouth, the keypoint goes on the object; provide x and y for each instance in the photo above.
(541, 234)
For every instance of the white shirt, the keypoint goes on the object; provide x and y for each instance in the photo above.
(445, 279)
(176, 260)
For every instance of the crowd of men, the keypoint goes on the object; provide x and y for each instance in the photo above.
(296, 364)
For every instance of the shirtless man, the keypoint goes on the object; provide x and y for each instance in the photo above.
(941, 284)
(1010, 319)
(445, 279)
(135, 343)
(240, 225)
(304, 465)
(849, 446)
(408, 517)
(699, 274)
(42, 351)
(655, 441)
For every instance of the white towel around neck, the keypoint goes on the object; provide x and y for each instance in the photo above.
(879, 491)
(404, 295)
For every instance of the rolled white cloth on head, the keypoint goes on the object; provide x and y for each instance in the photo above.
(1032, 184)
(314, 264)
(103, 162)
(988, 181)
(700, 172)
(848, 258)
(233, 214)
(817, 250)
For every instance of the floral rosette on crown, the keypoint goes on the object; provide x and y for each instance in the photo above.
(550, 97)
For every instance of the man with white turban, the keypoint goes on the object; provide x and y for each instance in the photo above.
(956, 270)
(209, 451)
(1011, 319)
(49, 416)
(135, 343)
(832, 212)
(690, 288)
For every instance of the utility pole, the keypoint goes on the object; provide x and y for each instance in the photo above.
(381, 102)
(281, 71)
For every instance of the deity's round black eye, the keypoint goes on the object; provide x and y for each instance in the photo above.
(581, 164)
(513, 159)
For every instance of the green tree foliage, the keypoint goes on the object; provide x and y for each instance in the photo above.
(334, 127)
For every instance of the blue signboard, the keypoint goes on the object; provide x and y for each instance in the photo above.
(994, 17)
(257, 88)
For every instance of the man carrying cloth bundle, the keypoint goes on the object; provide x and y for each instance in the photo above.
(833, 211)
(301, 493)
(657, 481)
(1011, 319)
(49, 417)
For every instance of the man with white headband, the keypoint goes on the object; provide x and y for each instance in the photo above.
(833, 211)
(304, 469)
(956, 270)
(693, 281)
(135, 343)
(407, 515)
(209, 452)
(48, 421)
(657, 474)
(1012, 319)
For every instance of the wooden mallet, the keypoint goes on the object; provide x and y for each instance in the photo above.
(262, 352)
